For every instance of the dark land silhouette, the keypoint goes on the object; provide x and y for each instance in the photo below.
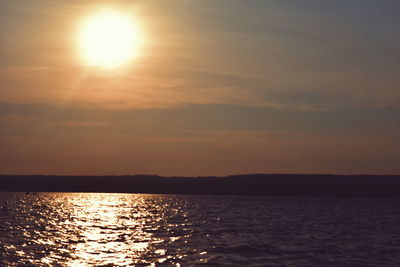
(381, 186)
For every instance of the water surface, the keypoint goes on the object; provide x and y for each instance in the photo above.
(86, 229)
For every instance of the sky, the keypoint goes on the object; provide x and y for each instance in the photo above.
(215, 88)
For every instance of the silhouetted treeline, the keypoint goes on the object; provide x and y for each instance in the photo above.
(257, 184)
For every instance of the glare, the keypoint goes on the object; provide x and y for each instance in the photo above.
(106, 230)
(108, 39)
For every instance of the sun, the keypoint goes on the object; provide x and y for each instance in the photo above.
(108, 39)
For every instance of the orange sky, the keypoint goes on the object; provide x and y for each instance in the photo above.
(215, 88)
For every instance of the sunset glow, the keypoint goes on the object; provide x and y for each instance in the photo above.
(199, 88)
(108, 39)
(186, 133)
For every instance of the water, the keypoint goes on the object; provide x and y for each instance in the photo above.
(74, 229)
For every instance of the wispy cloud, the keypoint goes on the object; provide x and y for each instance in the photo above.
(250, 54)
(16, 118)
(84, 123)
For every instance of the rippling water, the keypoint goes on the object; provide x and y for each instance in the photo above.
(69, 229)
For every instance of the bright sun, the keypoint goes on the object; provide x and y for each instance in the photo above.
(108, 39)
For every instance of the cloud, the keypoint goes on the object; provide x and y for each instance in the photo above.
(211, 117)
(276, 54)
(16, 118)
(196, 140)
(84, 123)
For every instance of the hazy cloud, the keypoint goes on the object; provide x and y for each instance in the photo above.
(244, 86)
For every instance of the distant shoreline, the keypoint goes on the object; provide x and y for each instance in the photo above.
(306, 185)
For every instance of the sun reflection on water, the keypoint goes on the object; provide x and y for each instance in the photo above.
(73, 229)
(89, 229)
(109, 231)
